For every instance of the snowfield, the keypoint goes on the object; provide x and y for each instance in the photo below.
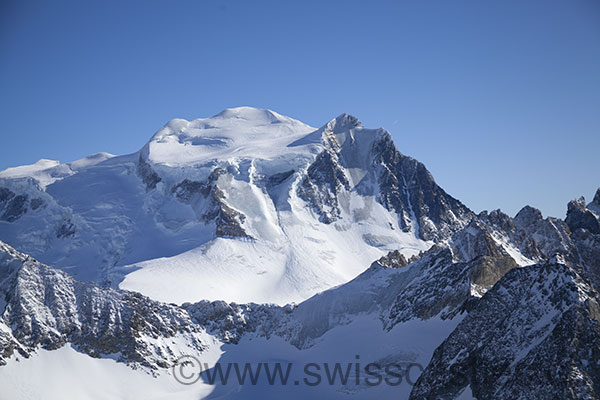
(67, 373)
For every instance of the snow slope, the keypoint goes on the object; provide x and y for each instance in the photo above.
(302, 259)
(68, 374)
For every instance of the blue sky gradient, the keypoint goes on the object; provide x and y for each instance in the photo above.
(500, 99)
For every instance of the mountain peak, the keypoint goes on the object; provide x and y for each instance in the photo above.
(528, 212)
(597, 197)
(252, 114)
(343, 123)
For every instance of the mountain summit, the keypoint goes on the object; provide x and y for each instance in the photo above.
(234, 132)
(247, 205)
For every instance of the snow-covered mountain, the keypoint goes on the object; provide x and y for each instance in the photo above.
(171, 251)
(247, 205)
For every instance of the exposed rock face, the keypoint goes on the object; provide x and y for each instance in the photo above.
(147, 174)
(474, 241)
(211, 200)
(409, 189)
(67, 229)
(230, 321)
(535, 334)
(5, 194)
(13, 205)
(36, 203)
(394, 259)
(400, 183)
(443, 288)
(324, 181)
(446, 286)
(584, 222)
(497, 221)
(279, 178)
(580, 217)
(186, 189)
(588, 250)
(47, 308)
(229, 221)
(551, 235)
(576, 239)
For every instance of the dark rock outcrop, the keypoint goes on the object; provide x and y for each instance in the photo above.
(580, 217)
(147, 174)
(230, 321)
(279, 178)
(393, 259)
(324, 181)
(400, 183)
(500, 222)
(47, 308)
(534, 335)
(229, 222)
(66, 229)
(13, 206)
(551, 235)
(408, 188)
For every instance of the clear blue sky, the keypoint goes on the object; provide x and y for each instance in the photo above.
(500, 99)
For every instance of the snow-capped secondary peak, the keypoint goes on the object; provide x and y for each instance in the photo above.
(29, 170)
(345, 128)
(46, 172)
